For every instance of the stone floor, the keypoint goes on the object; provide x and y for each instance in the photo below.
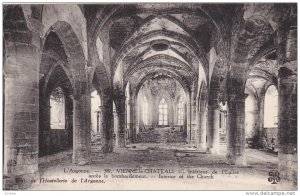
(200, 171)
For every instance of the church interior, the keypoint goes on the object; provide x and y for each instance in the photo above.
(150, 85)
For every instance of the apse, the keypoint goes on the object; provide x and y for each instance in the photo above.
(162, 102)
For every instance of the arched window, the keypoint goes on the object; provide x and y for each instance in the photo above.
(145, 110)
(57, 109)
(180, 112)
(95, 111)
(271, 108)
(163, 112)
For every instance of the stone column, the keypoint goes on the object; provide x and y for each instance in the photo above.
(107, 123)
(213, 129)
(236, 130)
(189, 121)
(137, 118)
(185, 122)
(81, 129)
(21, 105)
(287, 129)
(115, 129)
(132, 125)
(259, 118)
(121, 124)
(194, 132)
(202, 129)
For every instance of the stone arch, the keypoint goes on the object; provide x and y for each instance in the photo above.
(48, 141)
(75, 55)
(255, 36)
(106, 115)
(70, 14)
(53, 55)
(73, 48)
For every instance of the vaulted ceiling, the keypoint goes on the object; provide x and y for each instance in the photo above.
(150, 38)
(176, 39)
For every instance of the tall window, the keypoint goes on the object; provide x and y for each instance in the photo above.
(145, 110)
(95, 111)
(57, 109)
(115, 117)
(271, 108)
(180, 112)
(163, 112)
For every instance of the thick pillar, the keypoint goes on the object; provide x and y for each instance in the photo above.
(132, 125)
(115, 128)
(194, 132)
(236, 130)
(213, 124)
(137, 118)
(259, 118)
(21, 104)
(107, 124)
(82, 129)
(287, 132)
(202, 129)
(122, 120)
(287, 129)
(189, 122)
